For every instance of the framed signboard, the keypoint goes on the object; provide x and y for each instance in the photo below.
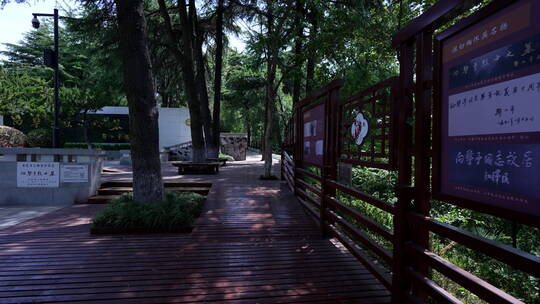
(313, 134)
(38, 175)
(74, 173)
(488, 109)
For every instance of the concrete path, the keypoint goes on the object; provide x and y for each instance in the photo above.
(10, 216)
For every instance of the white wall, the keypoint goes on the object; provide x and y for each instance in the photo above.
(172, 124)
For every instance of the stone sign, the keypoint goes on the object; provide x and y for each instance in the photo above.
(38, 175)
(74, 173)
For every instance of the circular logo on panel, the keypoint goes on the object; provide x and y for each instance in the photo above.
(188, 122)
(359, 128)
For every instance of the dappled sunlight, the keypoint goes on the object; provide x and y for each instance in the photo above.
(248, 242)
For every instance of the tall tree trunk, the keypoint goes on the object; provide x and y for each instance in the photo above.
(202, 93)
(270, 91)
(310, 73)
(297, 52)
(216, 128)
(248, 129)
(140, 93)
(85, 130)
(185, 58)
(202, 89)
(263, 135)
(312, 59)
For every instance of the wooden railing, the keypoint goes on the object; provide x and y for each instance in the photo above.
(179, 146)
(400, 256)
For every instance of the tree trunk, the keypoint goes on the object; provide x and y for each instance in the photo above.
(248, 128)
(312, 59)
(270, 92)
(263, 136)
(202, 89)
(216, 128)
(185, 58)
(310, 74)
(85, 130)
(140, 93)
(297, 53)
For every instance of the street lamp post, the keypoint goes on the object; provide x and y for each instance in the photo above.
(56, 128)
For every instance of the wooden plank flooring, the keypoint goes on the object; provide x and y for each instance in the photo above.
(253, 244)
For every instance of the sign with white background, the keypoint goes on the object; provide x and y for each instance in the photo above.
(38, 175)
(74, 173)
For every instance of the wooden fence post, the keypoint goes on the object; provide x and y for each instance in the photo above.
(400, 284)
(329, 170)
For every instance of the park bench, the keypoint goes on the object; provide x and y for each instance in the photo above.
(196, 167)
(222, 160)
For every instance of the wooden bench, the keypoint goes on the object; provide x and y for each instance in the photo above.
(222, 160)
(196, 167)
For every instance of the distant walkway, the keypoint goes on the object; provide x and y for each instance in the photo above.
(253, 244)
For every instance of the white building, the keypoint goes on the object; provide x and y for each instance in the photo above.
(173, 124)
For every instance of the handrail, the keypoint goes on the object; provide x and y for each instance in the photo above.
(377, 270)
(478, 286)
(310, 187)
(180, 145)
(506, 254)
(307, 173)
(369, 223)
(366, 240)
(364, 197)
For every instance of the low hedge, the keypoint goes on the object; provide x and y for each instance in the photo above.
(176, 213)
(40, 138)
(108, 147)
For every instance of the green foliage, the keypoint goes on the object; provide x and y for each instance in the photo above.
(40, 138)
(176, 213)
(381, 184)
(377, 182)
(11, 138)
(24, 94)
(108, 147)
(90, 75)
(506, 232)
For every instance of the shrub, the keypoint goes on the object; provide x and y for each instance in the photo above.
(176, 213)
(11, 138)
(40, 138)
(109, 147)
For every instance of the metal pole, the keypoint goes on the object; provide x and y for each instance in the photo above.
(56, 130)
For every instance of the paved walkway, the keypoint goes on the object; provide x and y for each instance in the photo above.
(13, 215)
(253, 244)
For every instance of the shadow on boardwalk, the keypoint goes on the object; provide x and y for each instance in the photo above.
(253, 244)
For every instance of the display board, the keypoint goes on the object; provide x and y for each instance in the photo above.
(38, 175)
(313, 135)
(74, 173)
(490, 110)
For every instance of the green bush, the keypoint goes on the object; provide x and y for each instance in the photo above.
(176, 213)
(108, 147)
(40, 138)
(11, 138)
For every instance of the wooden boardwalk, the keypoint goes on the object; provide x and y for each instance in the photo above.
(253, 244)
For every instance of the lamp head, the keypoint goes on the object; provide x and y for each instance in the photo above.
(35, 22)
